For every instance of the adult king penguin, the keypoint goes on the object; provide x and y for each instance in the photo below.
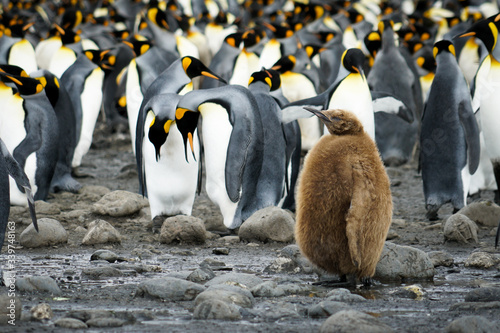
(344, 203)
(449, 138)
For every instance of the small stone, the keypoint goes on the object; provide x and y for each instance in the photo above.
(471, 324)
(221, 251)
(290, 260)
(268, 224)
(98, 273)
(267, 289)
(229, 239)
(201, 274)
(247, 280)
(46, 208)
(70, 323)
(347, 321)
(50, 232)
(398, 223)
(169, 289)
(344, 295)
(414, 291)
(105, 322)
(228, 294)
(326, 309)
(391, 235)
(216, 309)
(484, 294)
(10, 309)
(119, 203)
(482, 212)
(480, 260)
(107, 255)
(41, 311)
(441, 258)
(182, 228)
(38, 283)
(461, 229)
(101, 232)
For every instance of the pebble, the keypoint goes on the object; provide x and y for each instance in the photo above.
(398, 223)
(472, 324)
(101, 232)
(212, 264)
(41, 311)
(228, 294)
(10, 309)
(347, 321)
(268, 224)
(344, 295)
(107, 255)
(481, 260)
(169, 289)
(229, 239)
(221, 251)
(183, 228)
(290, 260)
(247, 280)
(461, 229)
(482, 212)
(98, 273)
(278, 311)
(484, 294)
(38, 283)
(326, 309)
(399, 262)
(119, 203)
(70, 323)
(50, 232)
(216, 309)
(441, 258)
(105, 322)
(267, 289)
(201, 274)
(413, 291)
(46, 208)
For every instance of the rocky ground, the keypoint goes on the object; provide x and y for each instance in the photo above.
(135, 283)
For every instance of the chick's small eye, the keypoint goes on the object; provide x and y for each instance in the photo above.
(336, 118)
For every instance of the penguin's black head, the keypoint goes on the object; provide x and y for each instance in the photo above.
(51, 85)
(425, 59)
(187, 121)
(270, 77)
(285, 64)
(486, 30)
(313, 50)
(68, 36)
(443, 46)
(25, 85)
(353, 60)
(373, 43)
(158, 17)
(71, 18)
(338, 122)
(193, 67)
(138, 45)
(234, 39)
(384, 25)
(158, 132)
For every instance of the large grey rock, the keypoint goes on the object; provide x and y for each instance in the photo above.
(484, 294)
(101, 232)
(247, 280)
(97, 273)
(183, 228)
(216, 309)
(169, 289)
(38, 283)
(71, 323)
(105, 322)
(107, 255)
(347, 321)
(50, 232)
(326, 309)
(481, 260)
(201, 274)
(267, 289)
(471, 324)
(482, 212)
(461, 229)
(344, 295)
(10, 309)
(268, 224)
(227, 293)
(119, 203)
(403, 263)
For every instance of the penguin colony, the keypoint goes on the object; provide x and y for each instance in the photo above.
(221, 86)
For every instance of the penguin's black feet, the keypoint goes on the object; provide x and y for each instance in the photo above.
(432, 212)
(497, 197)
(367, 282)
(157, 223)
(341, 282)
(476, 196)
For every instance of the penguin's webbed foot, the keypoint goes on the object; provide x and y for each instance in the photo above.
(432, 212)
(157, 223)
(367, 282)
(341, 282)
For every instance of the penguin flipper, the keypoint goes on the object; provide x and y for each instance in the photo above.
(471, 128)
(30, 144)
(139, 137)
(16, 171)
(389, 103)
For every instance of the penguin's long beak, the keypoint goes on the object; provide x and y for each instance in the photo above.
(317, 113)
(213, 76)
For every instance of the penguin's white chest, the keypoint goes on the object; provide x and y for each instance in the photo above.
(246, 64)
(171, 181)
(489, 115)
(22, 54)
(216, 135)
(353, 94)
(134, 98)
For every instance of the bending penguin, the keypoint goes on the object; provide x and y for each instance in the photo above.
(344, 203)
(449, 138)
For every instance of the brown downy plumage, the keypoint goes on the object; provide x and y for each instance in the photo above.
(344, 203)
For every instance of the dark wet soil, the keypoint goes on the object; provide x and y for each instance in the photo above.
(110, 163)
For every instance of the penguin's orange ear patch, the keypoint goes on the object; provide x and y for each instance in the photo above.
(435, 51)
(186, 61)
(451, 48)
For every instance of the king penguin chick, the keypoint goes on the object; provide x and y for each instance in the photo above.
(449, 137)
(344, 203)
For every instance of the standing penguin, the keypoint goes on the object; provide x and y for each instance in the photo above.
(449, 138)
(9, 166)
(344, 203)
